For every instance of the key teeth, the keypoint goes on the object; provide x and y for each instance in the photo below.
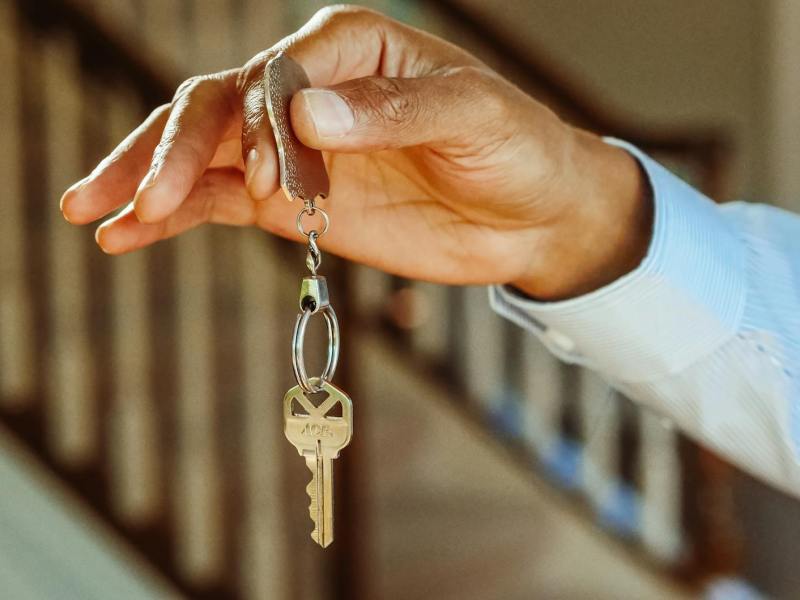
(311, 490)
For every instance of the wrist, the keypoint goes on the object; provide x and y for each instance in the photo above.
(604, 228)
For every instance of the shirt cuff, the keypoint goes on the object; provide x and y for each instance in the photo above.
(684, 300)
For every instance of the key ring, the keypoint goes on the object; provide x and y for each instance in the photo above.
(298, 340)
(311, 210)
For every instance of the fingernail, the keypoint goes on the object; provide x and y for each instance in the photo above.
(101, 238)
(149, 179)
(66, 199)
(329, 112)
(77, 185)
(251, 166)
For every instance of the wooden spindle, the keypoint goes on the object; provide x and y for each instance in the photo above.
(599, 406)
(70, 410)
(17, 367)
(660, 474)
(541, 390)
(198, 499)
(134, 441)
(483, 336)
(430, 332)
(265, 567)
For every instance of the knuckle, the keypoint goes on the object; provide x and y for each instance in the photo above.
(470, 75)
(344, 16)
(486, 88)
(387, 101)
(187, 87)
(158, 111)
(252, 72)
(337, 13)
(205, 85)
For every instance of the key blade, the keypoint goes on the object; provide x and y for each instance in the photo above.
(302, 170)
(320, 493)
(319, 436)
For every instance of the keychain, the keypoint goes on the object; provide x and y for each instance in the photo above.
(312, 428)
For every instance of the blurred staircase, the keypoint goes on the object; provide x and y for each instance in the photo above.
(150, 383)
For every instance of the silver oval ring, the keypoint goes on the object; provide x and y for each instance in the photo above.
(298, 359)
(311, 211)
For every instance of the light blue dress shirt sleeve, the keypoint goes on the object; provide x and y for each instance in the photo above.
(705, 331)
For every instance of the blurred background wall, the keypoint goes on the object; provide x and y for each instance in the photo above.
(147, 387)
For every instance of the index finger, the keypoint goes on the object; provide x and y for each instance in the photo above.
(205, 109)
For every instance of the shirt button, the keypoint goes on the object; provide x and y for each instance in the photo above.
(560, 340)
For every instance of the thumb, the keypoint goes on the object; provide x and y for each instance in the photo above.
(375, 113)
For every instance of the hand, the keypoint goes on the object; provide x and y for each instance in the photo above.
(440, 169)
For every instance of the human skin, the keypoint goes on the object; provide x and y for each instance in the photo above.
(440, 169)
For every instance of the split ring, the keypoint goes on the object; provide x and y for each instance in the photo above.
(298, 340)
(311, 211)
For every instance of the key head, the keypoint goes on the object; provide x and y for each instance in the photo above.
(310, 427)
(302, 170)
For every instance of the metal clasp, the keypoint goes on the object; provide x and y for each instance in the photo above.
(314, 299)
(314, 294)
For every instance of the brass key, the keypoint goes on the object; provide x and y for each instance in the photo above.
(318, 436)
(316, 432)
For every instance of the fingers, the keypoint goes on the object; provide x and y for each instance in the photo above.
(204, 111)
(331, 47)
(339, 43)
(258, 143)
(114, 181)
(375, 113)
(218, 197)
(192, 134)
(343, 42)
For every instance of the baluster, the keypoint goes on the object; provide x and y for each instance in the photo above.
(482, 332)
(662, 530)
(133, 439)
(600, 421)
(541, 390)
(372, 291)
(510, 418)
(198, 502)
(16, 319)
(70, 410)
(430, 335)
(628, 493)
(264, 570)
(611, 456)
(228, 271)
(197, 495)
(566, 457)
